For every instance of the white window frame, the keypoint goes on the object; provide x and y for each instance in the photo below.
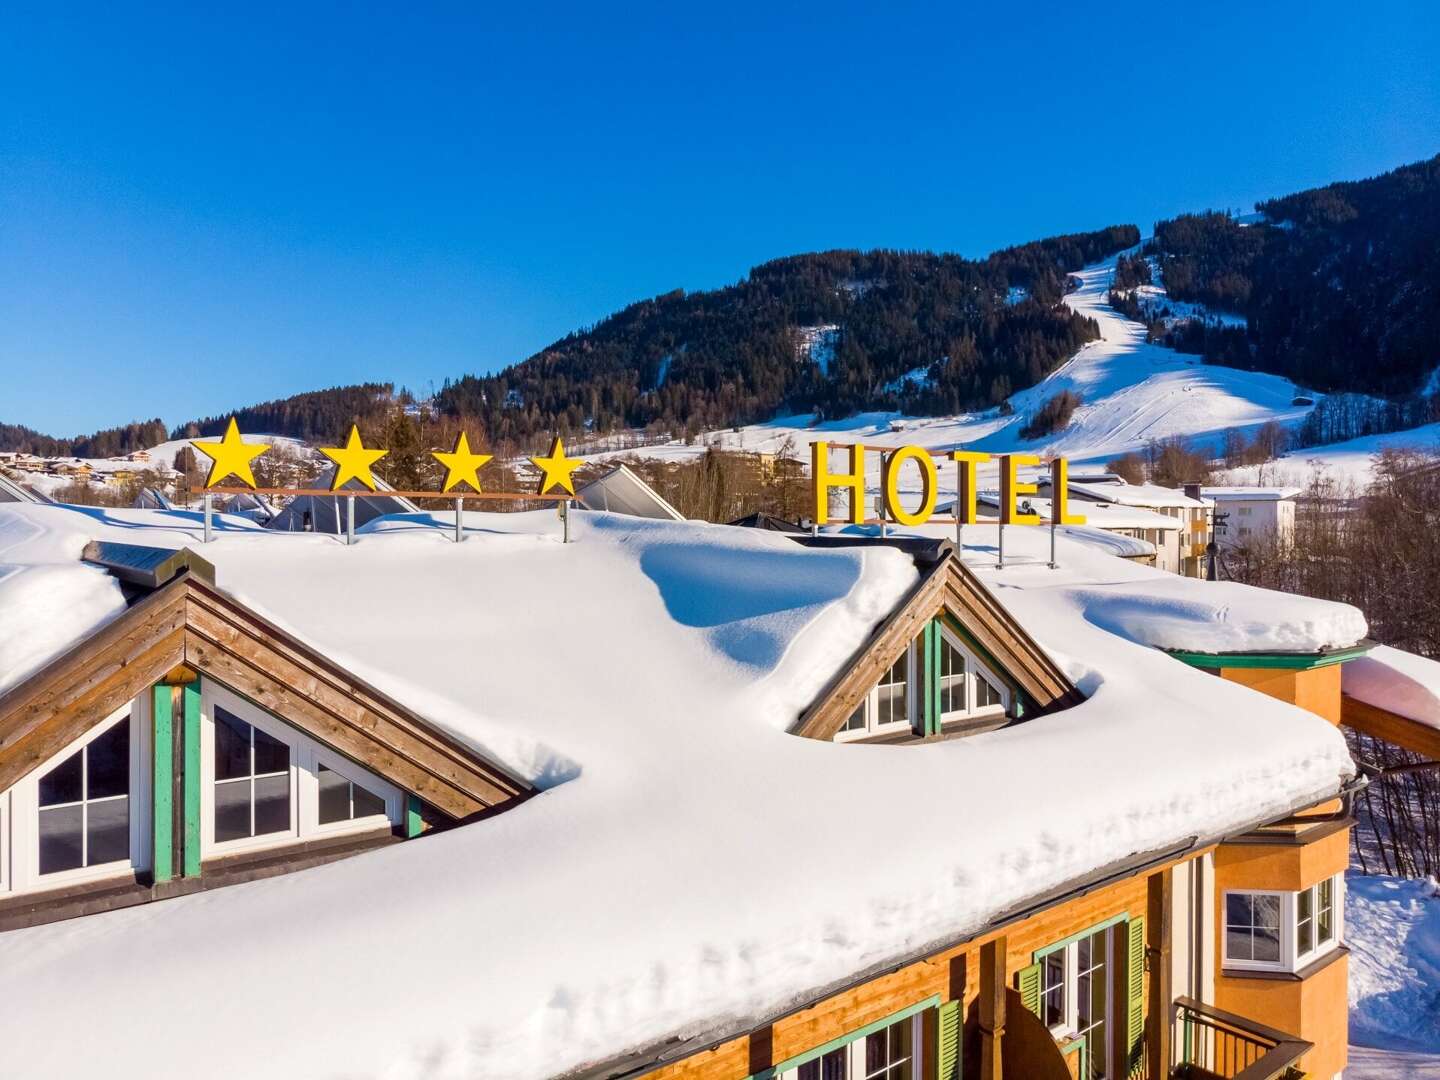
(872, 703)
(855, 1061)
(1069, 1025)
(973, 666)
(1337, 914)
(20, 809)
(1291, 959)
(305, 756)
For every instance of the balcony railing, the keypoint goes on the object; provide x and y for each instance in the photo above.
(1210, 1043)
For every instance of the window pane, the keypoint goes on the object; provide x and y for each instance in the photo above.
(367, 803)
(1237, 944)
(108, 771)
(809, 1071)
(1267, 912)
(1326, 920)
(857, 718)
(1237, 909)
(232, 746)
(271, 755)
(272, 803)
(1304, 902)
(833, 1065)
(61, 840)
(1266, 943)
(892, 704)
(985, 694)
(875, 1056)
(232, 810)
(62, 784)
(109, 829)
(334, 796)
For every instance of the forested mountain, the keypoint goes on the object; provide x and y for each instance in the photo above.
(319, 414)
(1340, 285)
(108, 443)
(836, 332)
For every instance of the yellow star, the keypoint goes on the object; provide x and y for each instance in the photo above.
(557, 467)
(230, 456)
(353, 460)
(460, 464)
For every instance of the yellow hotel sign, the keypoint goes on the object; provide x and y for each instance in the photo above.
(966, 463)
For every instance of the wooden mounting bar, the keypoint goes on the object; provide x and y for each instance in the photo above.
(448, 496)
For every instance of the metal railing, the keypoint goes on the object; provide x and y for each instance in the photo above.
(1212, 1043)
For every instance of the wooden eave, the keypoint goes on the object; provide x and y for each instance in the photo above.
(190, 622)
(945, 586)
(1391, 727)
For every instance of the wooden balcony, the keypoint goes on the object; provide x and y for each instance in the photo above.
(1211, 1044)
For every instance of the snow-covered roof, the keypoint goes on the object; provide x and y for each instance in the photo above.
(1396, 681)
(1136, 494)
(1099, 515)
(643, 676)
(620, 491)
(1250, 494)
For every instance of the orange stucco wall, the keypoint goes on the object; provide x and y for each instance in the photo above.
(1316, 1007)
(1317, 689)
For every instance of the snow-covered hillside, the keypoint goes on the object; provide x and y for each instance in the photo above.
(1132, 391)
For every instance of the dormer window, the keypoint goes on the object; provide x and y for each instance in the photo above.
(889, 707)
(968, 689)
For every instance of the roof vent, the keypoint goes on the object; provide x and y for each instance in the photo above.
(148, 567)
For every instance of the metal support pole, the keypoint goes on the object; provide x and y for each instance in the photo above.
(349, 519)
(208, 508)
(959, 533)
(1000, 565)
(565, 520)
(459, 520)
(1052, 545)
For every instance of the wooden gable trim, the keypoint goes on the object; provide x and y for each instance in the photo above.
(950, 587)
(1390, 727)
(189, 622)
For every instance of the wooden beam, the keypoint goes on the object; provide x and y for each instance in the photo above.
(992, 1009)
(1160, 1020)
(1391, 727)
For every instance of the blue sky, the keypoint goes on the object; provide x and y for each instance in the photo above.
(199, 211)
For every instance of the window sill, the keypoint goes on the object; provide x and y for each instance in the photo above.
(1299, 975)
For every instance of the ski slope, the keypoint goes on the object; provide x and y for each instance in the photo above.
(1133, 392)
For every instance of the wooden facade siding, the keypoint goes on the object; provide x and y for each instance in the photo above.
(949, 586)
(189, 622)
(955, 972)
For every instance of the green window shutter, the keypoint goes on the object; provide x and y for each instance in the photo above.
(162, 787)
(1135, 996)
(1028, 980)
(947, 1052)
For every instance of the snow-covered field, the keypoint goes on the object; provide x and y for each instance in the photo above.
(1393, 929)
(1353, 460)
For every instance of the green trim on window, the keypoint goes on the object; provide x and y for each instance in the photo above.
(414, 823)
(949, 1058)
(1115, 920)
(1280, 661)
(191, 694)
(1019, 700)
(835, 1044)
(162, 783)
(1082, 1044)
